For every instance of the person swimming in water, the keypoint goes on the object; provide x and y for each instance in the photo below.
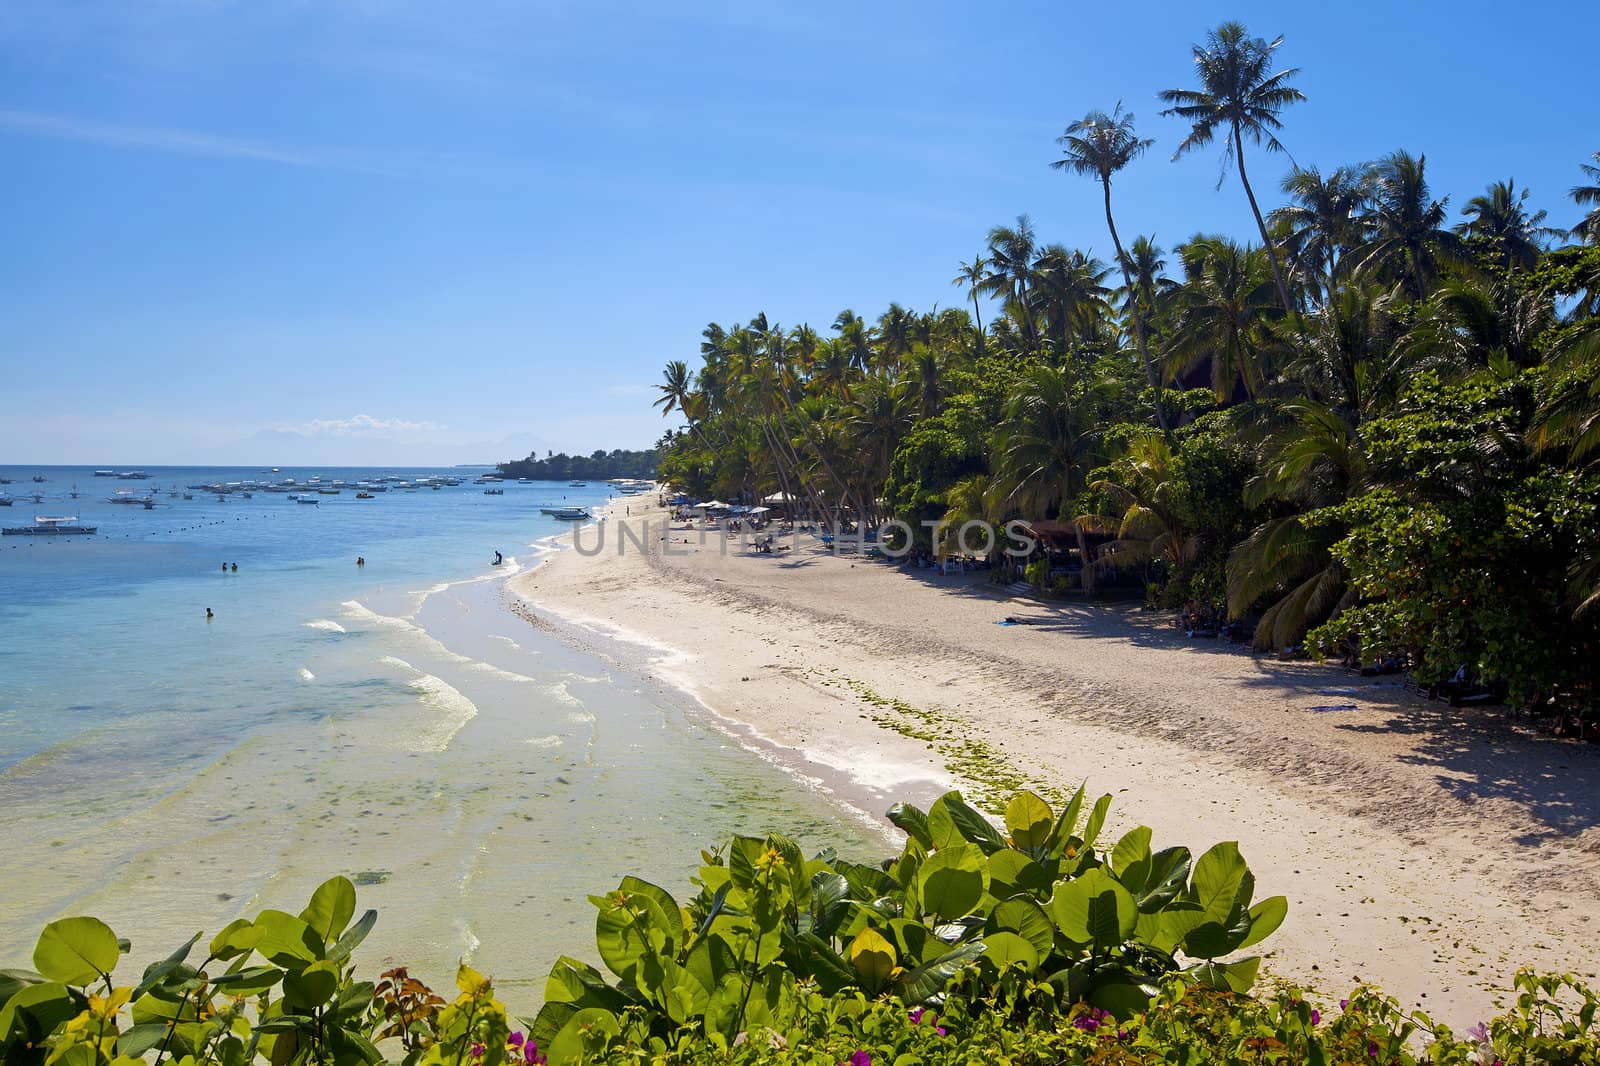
(235, 567)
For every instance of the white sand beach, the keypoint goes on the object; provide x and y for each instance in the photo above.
(1430, 850)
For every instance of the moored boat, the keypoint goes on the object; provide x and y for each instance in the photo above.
(49, 526)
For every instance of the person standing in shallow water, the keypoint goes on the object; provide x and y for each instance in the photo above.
(209, 615)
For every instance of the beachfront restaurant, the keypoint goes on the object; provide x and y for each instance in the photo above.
(1061, 545)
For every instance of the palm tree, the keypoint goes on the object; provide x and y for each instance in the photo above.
(1068, 295)
(1011, 255)
(1323, 221)
(971, 277)
(1222, 313)
(1146, 522)
(1409, 243)
(1500, 217)
(1589, 228)
(1239, 97)
(1316, 462)
(1098, 145)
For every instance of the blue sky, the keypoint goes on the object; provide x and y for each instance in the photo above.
(390, 231)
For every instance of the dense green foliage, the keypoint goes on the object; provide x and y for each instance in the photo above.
(598, 466)
(963, 902)
(1291, 426)
(1024, 944)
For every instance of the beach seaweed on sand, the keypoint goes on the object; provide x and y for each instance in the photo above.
(993, 778)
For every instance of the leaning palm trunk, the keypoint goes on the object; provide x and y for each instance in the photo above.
(1138, 319)
(1266, 240)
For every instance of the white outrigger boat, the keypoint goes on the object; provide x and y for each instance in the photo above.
(48, 526)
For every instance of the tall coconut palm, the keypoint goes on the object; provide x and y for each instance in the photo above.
(1409, 242)
(1501, 217)
(1097, 146)
(1323, 221)
(1240, 97)
(1011, 255)
(1589, 228)
(970, 277)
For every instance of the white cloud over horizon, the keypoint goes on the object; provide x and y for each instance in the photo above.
(359, 425)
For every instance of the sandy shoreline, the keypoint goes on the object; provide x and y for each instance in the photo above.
(1429, 850)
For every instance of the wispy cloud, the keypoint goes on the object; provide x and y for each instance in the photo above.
(67, 128)
(360, 426)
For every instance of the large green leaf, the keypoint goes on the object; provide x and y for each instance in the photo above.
(953, 881)
(1173, 924)
(1004, 947)
(1029, 820)
(812, 957)
(1094, 909)
(249, 982)
(353, 936)
(1067, 824)
(287, 941)
(1012, 873)
(928, 980)
(308, 989)
(1265, 917)
(1028, 920)
(34, 1012)
(585, 1032)
(1165, 878)
(14, 981)
(331, 907)
(1218, 877)
(238, 937)
(1235, 976)
(76, 951)
(913, 822)
(973, 826)
(674, 929)
(1097, 820)
(872, 957)
(629, 926)
(1133, 848)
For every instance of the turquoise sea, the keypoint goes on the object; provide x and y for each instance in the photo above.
(395, 722)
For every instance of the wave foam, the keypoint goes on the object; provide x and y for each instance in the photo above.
(455, 711)
(327, 625)
(307, 675)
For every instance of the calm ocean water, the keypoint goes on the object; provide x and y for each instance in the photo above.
(393, 722)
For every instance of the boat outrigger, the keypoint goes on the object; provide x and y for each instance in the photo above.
(48, 526)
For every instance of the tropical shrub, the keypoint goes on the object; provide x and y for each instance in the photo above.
(963, 899)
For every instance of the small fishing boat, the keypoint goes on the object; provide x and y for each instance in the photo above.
(578, 484)
(105, 473)
(39, 479)
(6, 501)
(306, 499)
(127, 496)
(570, 514)
(365, 496)
(48, 526)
